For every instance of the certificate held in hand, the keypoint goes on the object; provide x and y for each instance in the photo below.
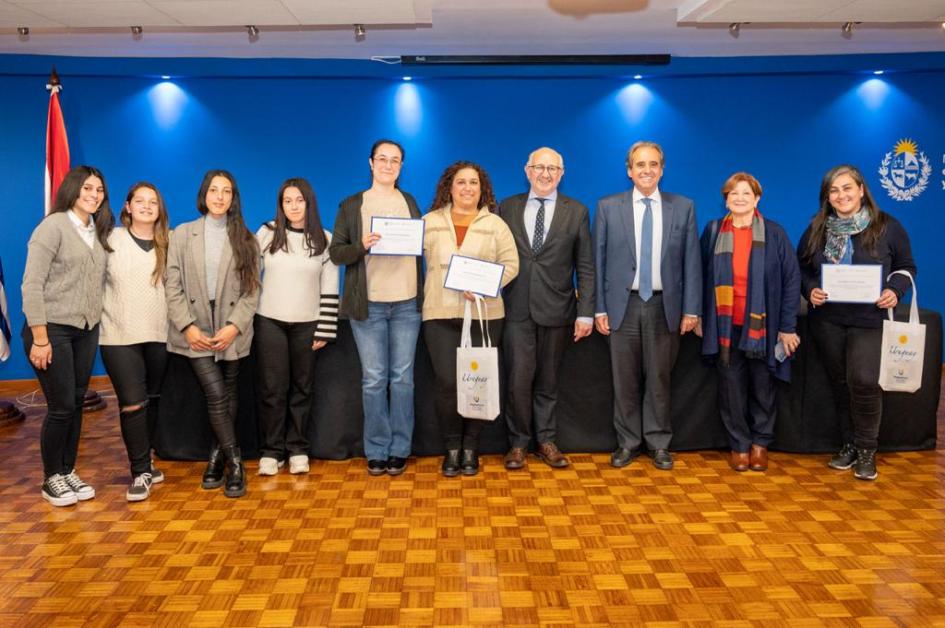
(474, 275)
(852, 283)
(399, 236)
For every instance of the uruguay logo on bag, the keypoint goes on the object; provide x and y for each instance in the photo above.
(903, 349)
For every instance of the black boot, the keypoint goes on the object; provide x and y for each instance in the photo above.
(235, 473)
(451, 463)
(213, 476)
(470, 463)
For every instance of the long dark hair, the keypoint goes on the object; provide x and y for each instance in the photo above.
(818, 226)
(242, 242)
(443, 197)
(68, 194)
(403, 155)
(160, 228)
(315, 240)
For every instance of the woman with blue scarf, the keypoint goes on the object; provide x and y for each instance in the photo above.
(752, 289)
(851, 229)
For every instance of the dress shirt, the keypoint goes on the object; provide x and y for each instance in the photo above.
(531, 212)
(656, 208)
(86, 231)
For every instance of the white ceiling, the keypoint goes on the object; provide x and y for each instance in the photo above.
(324, 28)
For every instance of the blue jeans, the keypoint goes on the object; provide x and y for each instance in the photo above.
(387, 345)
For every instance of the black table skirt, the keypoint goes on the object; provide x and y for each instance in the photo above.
(806, 418)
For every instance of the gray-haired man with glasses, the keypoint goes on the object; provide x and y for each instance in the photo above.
(542, 309)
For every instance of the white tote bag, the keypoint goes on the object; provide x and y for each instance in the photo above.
(903, 350)
(477, 371)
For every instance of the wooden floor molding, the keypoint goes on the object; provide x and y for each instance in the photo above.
(589, 545)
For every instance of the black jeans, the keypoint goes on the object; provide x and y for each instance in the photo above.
(851, 356)
(137, 372)
(285, 372)
(218, 381)
(442, 337)
(64, 383)
(747, 398)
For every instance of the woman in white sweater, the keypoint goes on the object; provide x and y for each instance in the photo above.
(297, 314)
(134, 326)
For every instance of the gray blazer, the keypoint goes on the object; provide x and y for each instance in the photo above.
(188, 302)
(615, 254)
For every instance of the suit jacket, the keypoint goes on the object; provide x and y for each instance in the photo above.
(544, 289)
(188, 303)
(616, 257)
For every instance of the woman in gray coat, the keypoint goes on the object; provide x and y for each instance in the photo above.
(212, 289)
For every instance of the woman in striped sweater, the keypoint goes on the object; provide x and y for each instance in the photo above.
(297, 314)
(134, 327)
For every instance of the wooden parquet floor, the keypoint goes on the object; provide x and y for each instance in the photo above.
(702, 545)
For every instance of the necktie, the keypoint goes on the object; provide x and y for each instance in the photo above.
(646, 252)
(539, 238)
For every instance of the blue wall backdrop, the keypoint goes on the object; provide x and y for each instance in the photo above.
(786, 120)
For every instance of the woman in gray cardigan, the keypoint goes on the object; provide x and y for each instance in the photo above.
(62, 301)
(212, 289)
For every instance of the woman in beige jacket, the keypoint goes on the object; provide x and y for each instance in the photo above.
(212, 290)
(460, 222)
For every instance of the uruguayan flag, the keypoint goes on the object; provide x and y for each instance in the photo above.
(5, 334)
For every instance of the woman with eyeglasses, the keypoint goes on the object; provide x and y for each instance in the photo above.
(134, 327)
(460, 221)
(849, 228)
(212, 289)
(383, 295)
(62, 300)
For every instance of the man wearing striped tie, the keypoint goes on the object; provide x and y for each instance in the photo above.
(542, 311)
(649, 293)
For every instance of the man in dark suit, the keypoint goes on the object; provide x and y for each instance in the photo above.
(649, 293)
(552, 233)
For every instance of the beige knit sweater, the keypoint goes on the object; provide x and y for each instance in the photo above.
(488, 238)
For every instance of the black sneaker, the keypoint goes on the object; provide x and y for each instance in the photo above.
(82, 490)
(843, 459)
(57, 492)
(396, 465)
(377, 467)
(865, 468)
(157, 476)
(140, 488)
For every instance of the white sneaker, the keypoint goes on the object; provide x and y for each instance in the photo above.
(82, 490)
(57, 492)
(269, 466)
(298, 464)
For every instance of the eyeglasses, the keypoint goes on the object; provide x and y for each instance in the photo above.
(387, 161)
(541, 169)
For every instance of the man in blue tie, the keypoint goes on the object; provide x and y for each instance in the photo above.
(649, 293)
(543, 312)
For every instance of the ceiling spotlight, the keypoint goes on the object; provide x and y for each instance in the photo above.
(734, 29)
(23, 33)
(879, 72)
(253, 34)
(136, 33)
(848, 28)
(637, 77)
(359, 32)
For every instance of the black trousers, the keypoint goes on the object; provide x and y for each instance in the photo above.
(442, 338)
(532, 355)
(642, 353)
(285, 375)
(64, 383)
(218, 381)
(851, 356)
(136, 372)
(747, 399)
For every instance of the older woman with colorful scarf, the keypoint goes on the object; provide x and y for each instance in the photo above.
(849, 228)
(752, 289)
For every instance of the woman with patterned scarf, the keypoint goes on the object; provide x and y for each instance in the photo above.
(851, 229)
(752, 289)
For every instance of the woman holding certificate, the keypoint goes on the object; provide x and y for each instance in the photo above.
(851, 231)
(460, 222)
(212, 288)
(749, 327)
(382, 298)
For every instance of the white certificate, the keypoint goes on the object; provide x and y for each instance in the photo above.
(851, 283)
(399, 236)
(475, 275)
